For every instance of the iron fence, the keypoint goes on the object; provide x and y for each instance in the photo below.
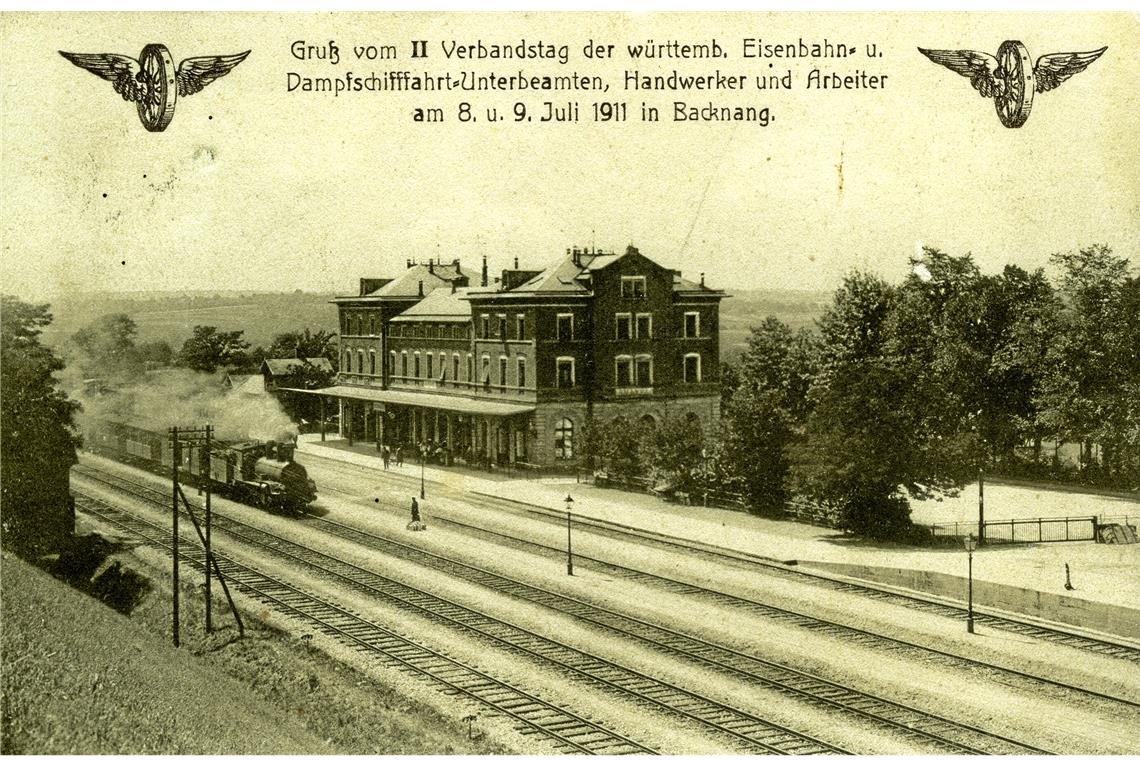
(1024, 530)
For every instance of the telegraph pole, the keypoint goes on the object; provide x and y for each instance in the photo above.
(209, 459)
(175, 457)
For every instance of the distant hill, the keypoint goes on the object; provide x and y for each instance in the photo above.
(748, 308)
(172, 316)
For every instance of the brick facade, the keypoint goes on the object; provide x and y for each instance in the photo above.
(513, 370)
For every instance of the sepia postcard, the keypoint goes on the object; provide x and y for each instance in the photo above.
(536, 383)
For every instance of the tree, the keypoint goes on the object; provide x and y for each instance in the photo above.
(856, 453)
(38, 436)
(210, 348)
(106, 347)
(783, 362)
(757, 431)
(304, 345)
(671, 451)
(304, 407)
(155, 353)
(879, 430)
(617, 446)
(1089, 392)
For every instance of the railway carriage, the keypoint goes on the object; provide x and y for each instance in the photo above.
(262, 473)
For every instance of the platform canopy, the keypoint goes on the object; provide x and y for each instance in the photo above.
(440, 401)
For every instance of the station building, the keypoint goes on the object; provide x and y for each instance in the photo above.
(512, 370)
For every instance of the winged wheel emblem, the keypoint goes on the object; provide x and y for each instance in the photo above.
(152, 82)
(1008, 78)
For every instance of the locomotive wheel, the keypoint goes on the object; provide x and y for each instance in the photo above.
(1015, 71)
(159, 87)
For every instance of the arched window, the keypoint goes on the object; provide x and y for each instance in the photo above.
(564, 439)
(348, 361)
(372, 362)
(360, 361)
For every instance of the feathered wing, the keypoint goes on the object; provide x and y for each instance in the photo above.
(1050, 70)
(196, 73)
(119, 70)
(979, 67)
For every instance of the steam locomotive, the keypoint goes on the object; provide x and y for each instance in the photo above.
(261, 473)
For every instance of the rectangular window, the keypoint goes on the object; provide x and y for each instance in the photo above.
(485, 375)
(623, 372)
(692, 368)
(633, 287)
(520, 327)
(644, 371)
(430, 365)
(623, 327)
(372, 362)
(503, 371)
(404, 363)
(502, 327)
(470, 368)
(565, 327)
(692, 324)
(522, 372)
(565, 365)
(644, 326)
(485, 323)
(416, 366)
(454, 367)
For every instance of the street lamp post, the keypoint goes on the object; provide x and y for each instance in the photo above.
(970, 545)
(569, 553)
(423, 457)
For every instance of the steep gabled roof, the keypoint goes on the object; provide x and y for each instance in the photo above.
(407, 284)
(440, 305)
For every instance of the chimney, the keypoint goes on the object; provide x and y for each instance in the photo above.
(421, 284)
(574, 256)
(431, 266)
(483, 282)
(516, 262)
(702, 279)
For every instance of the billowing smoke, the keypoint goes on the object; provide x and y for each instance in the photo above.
(182, 397)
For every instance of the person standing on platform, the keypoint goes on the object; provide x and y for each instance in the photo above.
(416, 524)
(385, 455)
(399, 456)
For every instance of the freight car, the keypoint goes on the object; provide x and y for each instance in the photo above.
(261, 473)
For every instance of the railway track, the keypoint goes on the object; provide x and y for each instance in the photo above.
(941, 734)
(745, 730)
(833, 629)
(946, 609)
(537, 716)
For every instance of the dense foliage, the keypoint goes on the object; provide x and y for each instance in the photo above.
(37, 433)
(907, 391)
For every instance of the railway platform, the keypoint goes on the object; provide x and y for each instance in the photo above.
(1026, 579)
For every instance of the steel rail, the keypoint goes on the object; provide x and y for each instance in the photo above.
(540, 716)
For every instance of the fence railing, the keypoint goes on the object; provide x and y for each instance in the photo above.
(1031, 530)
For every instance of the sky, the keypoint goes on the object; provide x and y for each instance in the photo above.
(254, 187)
